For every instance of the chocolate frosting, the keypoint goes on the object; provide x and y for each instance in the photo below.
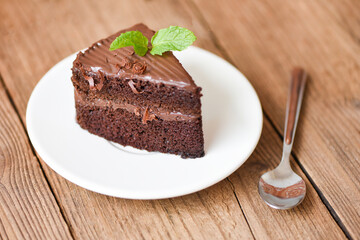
(147, 113)
(165, 69)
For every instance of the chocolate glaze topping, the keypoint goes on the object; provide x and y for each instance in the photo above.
(123, 63)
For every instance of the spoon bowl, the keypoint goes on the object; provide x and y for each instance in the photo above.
(282, 191)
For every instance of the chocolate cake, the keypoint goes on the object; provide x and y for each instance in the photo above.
(147, 102)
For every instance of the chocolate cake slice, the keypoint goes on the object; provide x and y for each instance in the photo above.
(147, 102)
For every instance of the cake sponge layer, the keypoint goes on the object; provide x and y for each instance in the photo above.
(183, 138)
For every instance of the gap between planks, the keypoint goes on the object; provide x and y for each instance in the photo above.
(2, 83)
(237, 200)
(224, 53)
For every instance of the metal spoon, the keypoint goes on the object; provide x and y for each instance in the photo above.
(282, 188)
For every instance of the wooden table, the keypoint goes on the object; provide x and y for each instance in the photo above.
(264, 40)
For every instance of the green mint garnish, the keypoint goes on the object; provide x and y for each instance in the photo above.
(173, 38)
(131, 38)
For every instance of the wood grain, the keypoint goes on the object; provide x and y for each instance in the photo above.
(265, 40)
(210, 214)
(28, 209)
(43, 32)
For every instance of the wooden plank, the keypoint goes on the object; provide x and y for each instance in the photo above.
(265, 40)
(212, 213)
(28, 209)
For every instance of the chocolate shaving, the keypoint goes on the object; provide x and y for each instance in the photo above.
(91, 82)
(133, 88)
(89, 79)
(139, 67)
(100, 85)
(137, 111)
(148, 116)
(77, 64)
(126, 63)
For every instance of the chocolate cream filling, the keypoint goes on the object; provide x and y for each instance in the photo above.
(147, 113)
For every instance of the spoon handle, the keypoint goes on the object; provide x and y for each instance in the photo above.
(296, 93)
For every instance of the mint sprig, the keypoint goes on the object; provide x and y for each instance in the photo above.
(131, 38)
(173, 38)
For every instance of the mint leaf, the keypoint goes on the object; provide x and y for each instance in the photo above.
(173, 38)
(131, 38)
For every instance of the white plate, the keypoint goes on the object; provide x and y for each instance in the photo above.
(232, 123)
